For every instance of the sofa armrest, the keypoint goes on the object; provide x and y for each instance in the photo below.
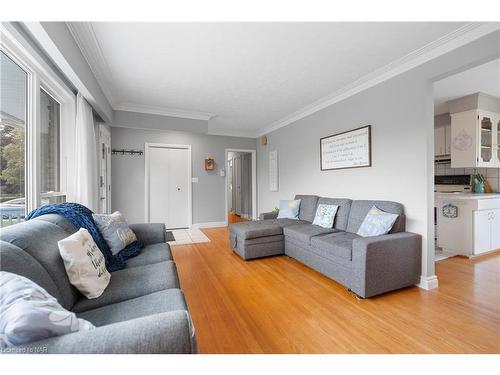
(385, 263)
(169, 332)
(149, 233)
(268, 215)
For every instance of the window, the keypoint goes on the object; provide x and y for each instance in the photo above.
(13, 98)
(49, 149)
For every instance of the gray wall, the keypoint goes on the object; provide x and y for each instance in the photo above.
(127, 172)
(401, 114)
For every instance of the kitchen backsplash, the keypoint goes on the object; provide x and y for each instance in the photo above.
(491, 174)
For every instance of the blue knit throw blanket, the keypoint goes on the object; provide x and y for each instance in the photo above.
(81, 217)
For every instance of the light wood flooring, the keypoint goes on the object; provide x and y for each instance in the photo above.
(277, 305)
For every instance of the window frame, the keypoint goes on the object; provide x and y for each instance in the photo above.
(40, 76)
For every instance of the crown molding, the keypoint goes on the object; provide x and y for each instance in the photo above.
(445, 44)
(164, 111)
(84, 36)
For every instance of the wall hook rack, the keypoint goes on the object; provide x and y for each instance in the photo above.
(127, 152)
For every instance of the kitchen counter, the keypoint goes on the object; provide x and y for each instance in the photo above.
(467, 223)
(466, 196)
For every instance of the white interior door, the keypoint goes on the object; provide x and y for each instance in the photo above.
(168, 186)
(178, 188)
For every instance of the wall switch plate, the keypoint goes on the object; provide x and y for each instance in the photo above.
(222, 173)
(194, 179)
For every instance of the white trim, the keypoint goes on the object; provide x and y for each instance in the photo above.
(45, 41)
(163, 111)
(445, 44)
(428, 282)
(85, 38)
(210, 224)
(254, 180)
(147, 146)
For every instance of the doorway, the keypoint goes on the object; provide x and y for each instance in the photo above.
(240, 185)
(168, 185)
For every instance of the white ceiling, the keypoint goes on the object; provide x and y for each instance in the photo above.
(248, 75)
(484, 78)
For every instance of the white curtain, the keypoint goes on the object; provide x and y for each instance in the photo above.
(85, 156)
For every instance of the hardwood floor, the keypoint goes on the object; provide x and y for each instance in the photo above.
(277, 305)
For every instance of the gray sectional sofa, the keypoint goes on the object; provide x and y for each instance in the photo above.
(366, 265)
(142, 310)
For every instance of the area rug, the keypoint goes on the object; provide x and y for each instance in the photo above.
(188, 236)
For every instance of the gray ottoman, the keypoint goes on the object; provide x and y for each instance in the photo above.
(256, 239)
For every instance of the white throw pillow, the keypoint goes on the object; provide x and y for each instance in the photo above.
(85, 264)
(377, 223)
(29, 313)
(289, 209)
(325, 215)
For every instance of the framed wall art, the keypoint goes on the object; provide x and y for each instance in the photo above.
(350, 149)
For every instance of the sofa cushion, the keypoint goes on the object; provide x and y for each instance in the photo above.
(132, 283)
(342, 216)
(39, 239)
(58, 220)
(285, 222)
(154, 303)
(15, 260)
(255, 229)
(308, 205)
(359, 209)
(304, 232)
(334, 245)
(155, 253)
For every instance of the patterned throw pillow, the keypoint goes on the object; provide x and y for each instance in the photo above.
(376, 223)
(115, 230)
(84, 263)
(325, 215)
(289, 209)
(30, 314)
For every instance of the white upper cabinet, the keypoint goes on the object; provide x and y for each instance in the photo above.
(442, 140)
(475, 138)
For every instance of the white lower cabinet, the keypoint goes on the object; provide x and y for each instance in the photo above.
(486, 230)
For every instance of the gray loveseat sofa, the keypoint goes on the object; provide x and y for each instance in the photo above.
(366, 265)
(142, 310)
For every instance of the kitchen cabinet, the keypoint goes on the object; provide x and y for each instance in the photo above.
(439, 139)
(447, 139)
(486, 230)
(475, 139)
(476, 227)
(442, 140)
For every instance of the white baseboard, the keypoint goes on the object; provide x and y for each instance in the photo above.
(428, 282)
(211, 224)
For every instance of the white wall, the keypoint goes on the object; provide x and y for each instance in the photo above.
(128, 171)
(401, 114)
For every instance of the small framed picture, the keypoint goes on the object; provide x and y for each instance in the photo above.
(209, 164)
